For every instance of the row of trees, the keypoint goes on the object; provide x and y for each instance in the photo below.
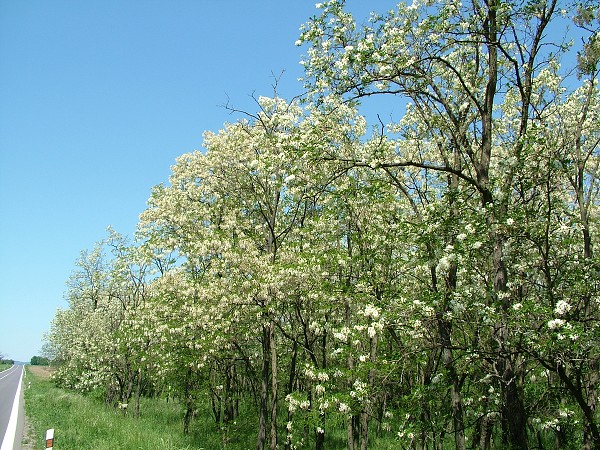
(432, 279)
(39, 361)
(5, 361)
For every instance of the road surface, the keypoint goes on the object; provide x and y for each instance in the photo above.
(11, 408)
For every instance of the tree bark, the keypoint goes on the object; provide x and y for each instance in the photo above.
(264, 390)
(138, 393)
(274, 386)
(455, 388)
(353, 422)
(364, 419)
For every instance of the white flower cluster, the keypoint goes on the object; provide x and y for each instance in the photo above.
(342, 335)
(371, 311)
(359, 390)
(294, 403)
(343, 408)
(555, 323)
(310, 373)
(322, 376)
(444, 263)
(562, 307)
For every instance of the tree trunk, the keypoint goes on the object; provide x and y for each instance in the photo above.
(290, 385)
(228, 413)
(364, 430)
(353, 431)
(455, 389)
(365, 416)
(486, 433)
(591, 434)
(187, 398)
(264, 390)
(215, 401)
(138, 393)
(274, 386)
(320, 435)
(513, 414)
(353, 422)
(445, 332)
(591, 431)
(513, 411)
(514, 418)
(187, 418)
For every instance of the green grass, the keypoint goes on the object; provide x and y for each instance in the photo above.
(4, 366)
(82, 422)
(85, 423)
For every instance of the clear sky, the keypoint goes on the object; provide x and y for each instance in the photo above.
(97, 99)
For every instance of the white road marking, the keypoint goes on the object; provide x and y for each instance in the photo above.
(11, 370)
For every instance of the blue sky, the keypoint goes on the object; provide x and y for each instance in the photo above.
(97, 99)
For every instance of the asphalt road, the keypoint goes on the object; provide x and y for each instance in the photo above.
(9, 381)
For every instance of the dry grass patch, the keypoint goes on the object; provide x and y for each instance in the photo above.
(42, 372)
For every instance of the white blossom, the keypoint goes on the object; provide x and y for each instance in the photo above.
(555, 323)
(322, 376)
(562, 307)
(371, 311)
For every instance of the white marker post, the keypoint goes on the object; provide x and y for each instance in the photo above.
(50, 438)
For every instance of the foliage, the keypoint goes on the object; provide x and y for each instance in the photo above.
(39, 361)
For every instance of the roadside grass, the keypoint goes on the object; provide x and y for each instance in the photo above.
(82, 422)
(4, 366)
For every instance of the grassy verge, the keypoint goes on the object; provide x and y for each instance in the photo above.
(82, 423)
(86, 423)
(4, 366)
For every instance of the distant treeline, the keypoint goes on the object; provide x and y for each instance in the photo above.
(40, 361)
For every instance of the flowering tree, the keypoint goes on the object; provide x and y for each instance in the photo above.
(229, 213)
(478, 79)
(92, 339)
(78, 334)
